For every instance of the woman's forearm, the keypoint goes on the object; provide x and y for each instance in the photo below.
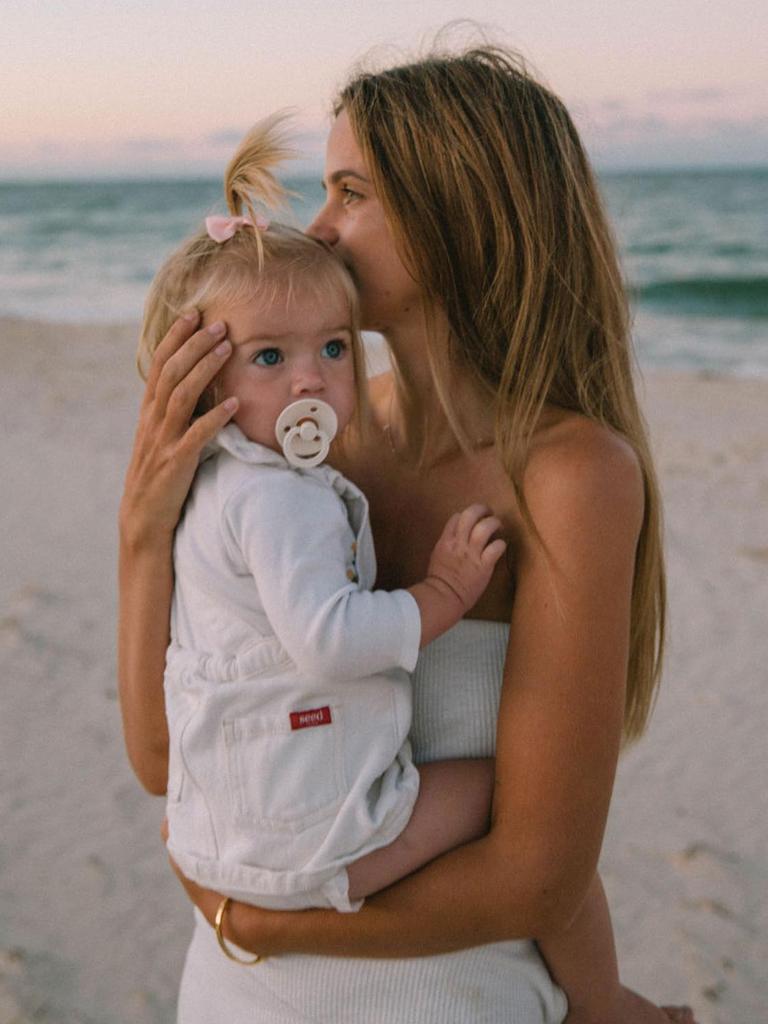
(472, 896)
(146, 582)
(165, 456)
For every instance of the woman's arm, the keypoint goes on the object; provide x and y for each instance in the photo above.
(163, 462)
(558, 735)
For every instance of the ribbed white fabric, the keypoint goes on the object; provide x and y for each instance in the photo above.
(456, 692)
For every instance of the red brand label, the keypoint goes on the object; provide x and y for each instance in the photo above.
(314, 716)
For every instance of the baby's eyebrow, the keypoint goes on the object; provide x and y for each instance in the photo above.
(276, 339)
(259, 339)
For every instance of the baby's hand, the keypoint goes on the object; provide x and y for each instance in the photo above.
(465, 555)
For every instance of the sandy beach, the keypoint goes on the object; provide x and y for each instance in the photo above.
(93, 927)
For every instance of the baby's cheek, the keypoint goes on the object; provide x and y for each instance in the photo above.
(252, 421)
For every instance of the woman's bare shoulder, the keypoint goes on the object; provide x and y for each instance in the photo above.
(583, 472)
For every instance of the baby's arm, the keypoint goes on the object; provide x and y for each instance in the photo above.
(453, 807)
(292, 535)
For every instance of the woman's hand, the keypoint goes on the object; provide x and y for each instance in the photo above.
(165, 456)
(167, 445)
(206, 900)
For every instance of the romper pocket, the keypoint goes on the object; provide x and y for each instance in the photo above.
(286, 772)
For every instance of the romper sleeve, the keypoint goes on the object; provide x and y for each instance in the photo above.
(294, 538)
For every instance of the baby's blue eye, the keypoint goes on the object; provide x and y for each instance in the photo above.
(334, 349)
(268, 357)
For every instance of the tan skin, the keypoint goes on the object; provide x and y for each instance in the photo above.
(560, 718)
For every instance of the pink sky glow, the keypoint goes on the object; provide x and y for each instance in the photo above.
(99, 87)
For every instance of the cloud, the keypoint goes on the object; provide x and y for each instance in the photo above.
(702, 127)
(146, 157)
(644, 139)
(705, 94)
(228, 137)
(308, 142)
(149, 146)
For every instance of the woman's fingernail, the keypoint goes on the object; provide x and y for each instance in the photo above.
(191, 314)
(223, 348)
(230, 404)
(217, 328)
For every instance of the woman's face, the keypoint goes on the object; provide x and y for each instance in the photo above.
(353, 222)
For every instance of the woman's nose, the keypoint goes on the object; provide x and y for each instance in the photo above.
(322, 227)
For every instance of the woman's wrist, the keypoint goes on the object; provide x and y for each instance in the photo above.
(237, 932)
(138, 534)
(264, 933)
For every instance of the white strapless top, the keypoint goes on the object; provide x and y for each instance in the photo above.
(456, 689)
(457, 684)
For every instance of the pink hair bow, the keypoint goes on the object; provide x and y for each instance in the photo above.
(221, 229)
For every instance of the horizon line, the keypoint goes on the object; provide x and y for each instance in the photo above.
(106, 178)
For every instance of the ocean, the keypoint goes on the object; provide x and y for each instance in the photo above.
(694, 247)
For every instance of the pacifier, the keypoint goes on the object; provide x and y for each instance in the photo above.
(304, 430)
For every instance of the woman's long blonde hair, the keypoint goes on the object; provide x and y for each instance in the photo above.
(497, 214)
(276, 264)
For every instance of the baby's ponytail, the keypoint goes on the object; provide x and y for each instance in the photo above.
(249, 178)
(228, 262)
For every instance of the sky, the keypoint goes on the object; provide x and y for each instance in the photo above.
(146, 88)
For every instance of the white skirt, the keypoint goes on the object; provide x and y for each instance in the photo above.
(504, 983)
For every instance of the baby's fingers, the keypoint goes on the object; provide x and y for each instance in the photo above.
(450, 528)
(483, 530)
(492, 553)
(468, 520)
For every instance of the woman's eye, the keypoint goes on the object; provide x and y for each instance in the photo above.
(334, 349)
(348, 195)
(268, 357)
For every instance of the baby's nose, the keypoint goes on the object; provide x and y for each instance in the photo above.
(307, 381)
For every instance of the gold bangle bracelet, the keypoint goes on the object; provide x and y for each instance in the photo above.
(218, 921)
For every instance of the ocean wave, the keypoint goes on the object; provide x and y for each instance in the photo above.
(707, 296)
(697, 248)
(652, 248)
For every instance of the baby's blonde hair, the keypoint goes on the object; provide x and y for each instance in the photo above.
(277, 264)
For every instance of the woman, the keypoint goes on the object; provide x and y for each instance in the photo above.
(460, 197)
